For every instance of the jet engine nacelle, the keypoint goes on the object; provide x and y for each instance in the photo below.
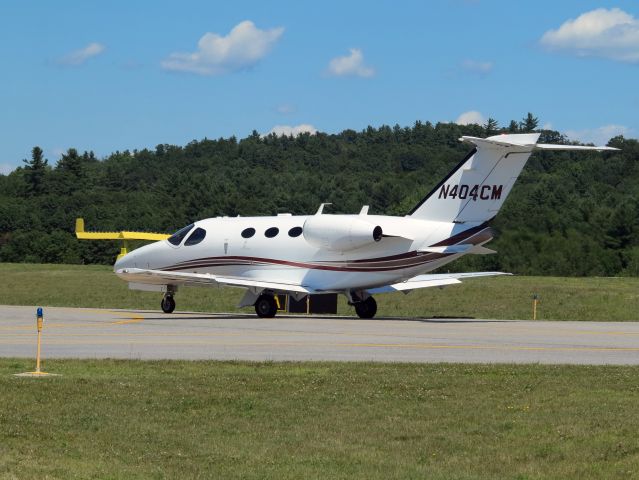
(340, 233)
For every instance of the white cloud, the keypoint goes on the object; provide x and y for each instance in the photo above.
(475, 66)
(547, 126)
(6, 169)
(470, 117)
(600, 135)
(243, 47)
(78, 57)
(288, 130)
(350, 65)
(612, 34)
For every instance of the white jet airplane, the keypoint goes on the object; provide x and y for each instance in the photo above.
(355, 255)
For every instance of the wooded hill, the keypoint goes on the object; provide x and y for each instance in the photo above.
(569, 213)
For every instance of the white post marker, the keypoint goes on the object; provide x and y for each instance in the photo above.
(38, 372)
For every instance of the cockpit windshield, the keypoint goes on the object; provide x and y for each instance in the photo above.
(196, 237)
(178, 236)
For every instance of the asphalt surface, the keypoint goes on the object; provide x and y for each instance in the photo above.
(135, 334)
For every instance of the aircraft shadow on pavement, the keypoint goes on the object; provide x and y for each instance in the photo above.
(242, 316)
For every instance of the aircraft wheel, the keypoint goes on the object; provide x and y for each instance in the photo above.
(168, 304)
(367, 308)
(265, 306)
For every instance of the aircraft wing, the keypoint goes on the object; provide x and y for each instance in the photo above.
(431, 280)
(163, 277)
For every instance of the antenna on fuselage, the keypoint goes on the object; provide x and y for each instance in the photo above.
(321, 208)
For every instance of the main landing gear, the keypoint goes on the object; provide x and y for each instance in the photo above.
(365, 305)
(366, 308)
(265, 306)
(167, 304)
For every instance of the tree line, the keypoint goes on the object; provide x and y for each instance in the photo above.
(569, 214)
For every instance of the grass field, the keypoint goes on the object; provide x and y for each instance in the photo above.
(501, 297)
(177, 419)
(129, 419)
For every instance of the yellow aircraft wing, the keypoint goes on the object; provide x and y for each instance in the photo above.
(81, 234)
(124, 235)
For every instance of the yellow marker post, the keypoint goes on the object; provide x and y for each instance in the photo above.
(40, 322)
(38, 372)
(535, 301)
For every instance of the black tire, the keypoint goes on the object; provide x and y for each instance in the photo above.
(265, 306)
(168, 304)
(367, 308)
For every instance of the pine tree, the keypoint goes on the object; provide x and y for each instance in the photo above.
(491, 126)
(529, 123)
(35, 170)
(71, 162)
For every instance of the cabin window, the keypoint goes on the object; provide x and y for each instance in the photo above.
(295, 232)
(248, 232)
(196, 237)
(271, 232)
(178, 236)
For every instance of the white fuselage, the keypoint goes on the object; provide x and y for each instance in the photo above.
(224, 251)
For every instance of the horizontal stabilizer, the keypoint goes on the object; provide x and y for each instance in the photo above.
(527, 141)
(432, 280)
(481, 250)
(447, 249)
(461, 248)
(515, 140)
(547, 146)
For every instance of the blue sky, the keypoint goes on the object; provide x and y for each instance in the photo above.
(117, 75)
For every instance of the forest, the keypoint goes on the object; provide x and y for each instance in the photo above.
(569, 214)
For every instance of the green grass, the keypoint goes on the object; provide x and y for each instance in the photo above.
(500, 297)
(173, 419)
(170, 419)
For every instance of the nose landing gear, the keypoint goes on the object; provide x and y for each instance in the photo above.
(265, 306)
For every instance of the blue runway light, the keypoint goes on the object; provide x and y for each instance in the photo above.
(39, 314)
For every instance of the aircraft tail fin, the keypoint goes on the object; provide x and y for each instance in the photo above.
(475, 190)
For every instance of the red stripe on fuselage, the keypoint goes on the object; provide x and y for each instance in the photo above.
(411, 261)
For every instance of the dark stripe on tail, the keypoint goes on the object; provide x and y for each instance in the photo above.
(450, 174)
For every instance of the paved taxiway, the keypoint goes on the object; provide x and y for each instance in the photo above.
(97, 333)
